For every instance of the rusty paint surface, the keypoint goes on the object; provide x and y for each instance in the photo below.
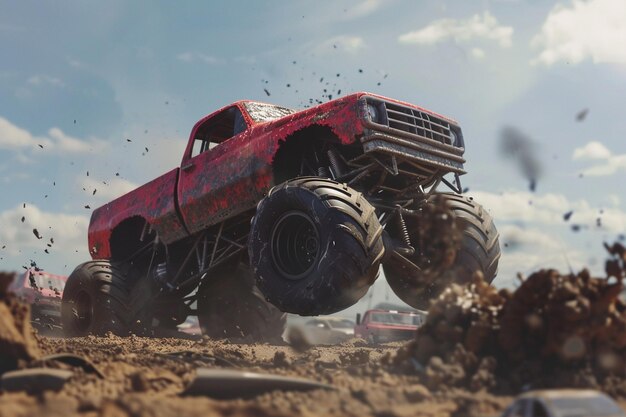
(153, 201)
(224, 181)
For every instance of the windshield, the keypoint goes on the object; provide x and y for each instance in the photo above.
(342, 324)
(396, 318)
(261, 112)
(48, 281)
(585, 406)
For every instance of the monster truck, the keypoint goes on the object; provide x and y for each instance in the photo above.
(275, 210)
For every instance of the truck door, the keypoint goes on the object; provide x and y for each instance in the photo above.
(216, 175)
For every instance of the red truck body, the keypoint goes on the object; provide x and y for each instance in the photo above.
(387, 325)
(232, 177)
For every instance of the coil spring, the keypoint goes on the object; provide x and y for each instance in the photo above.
(323, 172)
(335, 162)
(404, 231)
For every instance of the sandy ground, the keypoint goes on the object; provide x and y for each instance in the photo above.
(479, 347)
(144, 377)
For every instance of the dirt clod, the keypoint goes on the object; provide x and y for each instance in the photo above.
(17, 342)
(555, 330)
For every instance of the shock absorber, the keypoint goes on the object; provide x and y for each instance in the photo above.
(336, 164)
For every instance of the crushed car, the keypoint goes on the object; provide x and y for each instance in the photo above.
(43, 291)
(563, 403)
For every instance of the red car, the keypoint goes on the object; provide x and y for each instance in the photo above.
(387, 325)
(43, 291)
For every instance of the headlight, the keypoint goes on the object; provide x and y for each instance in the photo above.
(453, 138)
(373, 113)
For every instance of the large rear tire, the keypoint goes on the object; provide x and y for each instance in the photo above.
(230, 306)
(96, 300)
(479, 251)
(315, 246)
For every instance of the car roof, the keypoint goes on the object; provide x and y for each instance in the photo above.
(376, 310)
(558, 393)
(34, 271)
(332, 318)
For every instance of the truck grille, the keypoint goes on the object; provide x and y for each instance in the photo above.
(412, 120)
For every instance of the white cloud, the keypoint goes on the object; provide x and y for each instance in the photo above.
(592, 150)
(608, 164)
(15, 138)
(548, 209)
(477, 27)
(45, 79)
(364, 8)
(516, 236)
(111, 190)
(477, 53)
(344, 43)
(191, 57)
(68, 231)
(590, 29)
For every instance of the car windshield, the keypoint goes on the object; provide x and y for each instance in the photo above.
(396, 318)
(261, 112)
(49, 282)
(585, 406)
(342, 324)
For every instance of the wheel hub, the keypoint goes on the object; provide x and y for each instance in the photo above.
(295, 245)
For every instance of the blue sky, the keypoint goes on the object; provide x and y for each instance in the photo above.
(80, 78)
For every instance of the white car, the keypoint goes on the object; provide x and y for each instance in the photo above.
(328, 330)
(563, 403)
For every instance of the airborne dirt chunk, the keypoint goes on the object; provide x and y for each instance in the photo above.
(17, 342)
(553, 331)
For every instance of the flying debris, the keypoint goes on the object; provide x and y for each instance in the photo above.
(581, 115)
(516, 145)
(36, 233)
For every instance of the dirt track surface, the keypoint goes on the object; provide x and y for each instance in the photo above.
(141, 379)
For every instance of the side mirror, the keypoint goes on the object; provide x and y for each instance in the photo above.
(358, 318)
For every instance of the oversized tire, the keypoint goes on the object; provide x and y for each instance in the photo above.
(479, 250)
(230, 306)
(315, 246)
(96, 300)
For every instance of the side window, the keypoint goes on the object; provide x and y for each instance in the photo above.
(538, 410)
(217, 129)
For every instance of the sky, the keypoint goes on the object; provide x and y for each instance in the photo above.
(97, 98)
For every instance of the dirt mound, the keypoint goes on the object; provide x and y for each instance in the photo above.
(554, 331)
(17, 342)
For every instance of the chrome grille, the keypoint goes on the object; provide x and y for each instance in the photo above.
(417, 122)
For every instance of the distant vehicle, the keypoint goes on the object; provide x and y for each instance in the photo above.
(43, 291)
(190, 326)
(563, 403)
(379, 326)
(328, 330)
